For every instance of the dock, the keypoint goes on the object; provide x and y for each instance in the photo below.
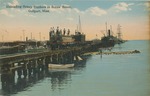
(26, 64)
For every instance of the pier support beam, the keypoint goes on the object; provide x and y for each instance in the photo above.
(19, 70)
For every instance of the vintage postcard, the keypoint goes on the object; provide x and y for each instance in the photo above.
(74, 47)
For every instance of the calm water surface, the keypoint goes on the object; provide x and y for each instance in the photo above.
(111, 75)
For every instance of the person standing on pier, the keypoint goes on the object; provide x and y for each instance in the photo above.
(68, 32)
(64, 31)
(57, 31)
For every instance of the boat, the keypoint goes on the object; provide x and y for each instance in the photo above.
(60, 69)
(60, 66)
(109, 40)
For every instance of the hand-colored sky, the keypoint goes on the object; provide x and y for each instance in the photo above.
(133, 16)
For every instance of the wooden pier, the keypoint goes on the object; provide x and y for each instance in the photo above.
(26, 64)
(52, 56)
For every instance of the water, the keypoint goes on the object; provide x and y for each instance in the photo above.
(111, 75)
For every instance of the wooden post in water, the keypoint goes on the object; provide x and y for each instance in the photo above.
(34, 66)
(62, 58)
(38, 64)
(19, 70)
(5, 72)
(29, 67)
(51, 58)
(42, 63)
(100, 51)
(57, 58)
(25, 69)
(47, 61)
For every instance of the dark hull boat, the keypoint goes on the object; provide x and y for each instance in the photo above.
(108, 41)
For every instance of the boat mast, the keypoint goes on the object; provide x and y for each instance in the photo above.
(111, 32)
(106, 28)
(119, 32)
(80, 29)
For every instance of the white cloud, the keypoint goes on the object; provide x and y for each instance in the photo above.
(147, 4)
(14, 2)
(13, 10)
(66, 5)
(76, 10)
(122, 6)
(96, 11)
(5, 12)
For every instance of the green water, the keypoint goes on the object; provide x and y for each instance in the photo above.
(111, 75)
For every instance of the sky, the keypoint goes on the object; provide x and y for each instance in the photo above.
(16, 23)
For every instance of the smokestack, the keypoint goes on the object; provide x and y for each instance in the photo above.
(26, 38)
(109, 32)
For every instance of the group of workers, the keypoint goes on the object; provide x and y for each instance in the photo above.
(59, 31)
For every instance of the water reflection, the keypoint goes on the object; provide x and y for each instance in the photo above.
(61, 77)
(13, 83)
